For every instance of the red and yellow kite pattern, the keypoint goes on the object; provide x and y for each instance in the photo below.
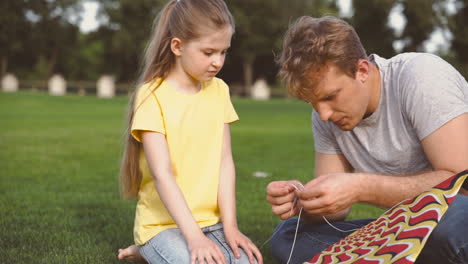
(399, 235)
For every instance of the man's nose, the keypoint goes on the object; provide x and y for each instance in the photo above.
(324, 111)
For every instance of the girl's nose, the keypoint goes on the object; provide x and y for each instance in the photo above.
(217, 61)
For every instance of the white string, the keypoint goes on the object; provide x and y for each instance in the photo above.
(299, 218)
(336, 228)
(355, 229)
(297, 224)
(295, 236)
(282, 223)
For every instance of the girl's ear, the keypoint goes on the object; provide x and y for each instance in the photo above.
(176, 46)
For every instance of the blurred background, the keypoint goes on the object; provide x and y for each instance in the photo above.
(60, 155)
(85, 39)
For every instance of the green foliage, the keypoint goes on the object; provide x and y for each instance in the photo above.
(41, 70)
(130, 23)
(60, 158)
(370, 21)
(38, 36)
(89, 52)
(14, 26)
(260, 25)
(421, 20)
(54, 35)
(41, 37)
(457, 25)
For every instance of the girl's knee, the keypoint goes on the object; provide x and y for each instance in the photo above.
(244, 259)
(168, 246)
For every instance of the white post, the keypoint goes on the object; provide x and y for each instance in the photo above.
(9, 83)
(57, 85)
(261, 90)
(106, 86)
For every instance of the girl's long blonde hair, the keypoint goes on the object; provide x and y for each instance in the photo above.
(184, 19)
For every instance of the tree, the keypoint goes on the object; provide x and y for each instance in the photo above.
(39, 34)
(14, 28)
(421, 20)
(457, 25)
(370, 20)
(88, 62)
(126, 34)
(54, 35)
(260, 25)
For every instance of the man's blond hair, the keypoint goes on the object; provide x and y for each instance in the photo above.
(310, 44)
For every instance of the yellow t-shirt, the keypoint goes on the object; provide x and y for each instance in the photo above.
(193, 125)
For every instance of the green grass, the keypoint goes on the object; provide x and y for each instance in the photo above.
(59, 160)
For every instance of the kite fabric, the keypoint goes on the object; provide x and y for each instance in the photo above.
(399, 235)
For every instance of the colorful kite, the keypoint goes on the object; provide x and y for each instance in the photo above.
(399, 235)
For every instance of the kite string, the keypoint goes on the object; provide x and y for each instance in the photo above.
(297, 224)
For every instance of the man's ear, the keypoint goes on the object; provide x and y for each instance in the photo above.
(176, 46)
(362, 72)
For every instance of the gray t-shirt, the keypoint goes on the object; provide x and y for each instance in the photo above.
(420, 93)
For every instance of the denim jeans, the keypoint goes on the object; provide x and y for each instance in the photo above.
(448, 243)
(170, 246)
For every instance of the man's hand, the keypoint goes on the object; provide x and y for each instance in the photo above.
(280, 194)
(330, 193)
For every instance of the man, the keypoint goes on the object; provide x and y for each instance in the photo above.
(384, 129)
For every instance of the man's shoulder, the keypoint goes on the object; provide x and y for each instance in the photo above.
(408, 56)
(417, 61)
(416, 69)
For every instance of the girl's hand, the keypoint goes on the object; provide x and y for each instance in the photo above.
(203, 250)
(237, 240)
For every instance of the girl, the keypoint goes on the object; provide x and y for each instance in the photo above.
(178, 154)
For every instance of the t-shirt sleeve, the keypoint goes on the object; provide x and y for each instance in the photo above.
(324, 138)
(433, 93)
(147, 113)
(230, 114)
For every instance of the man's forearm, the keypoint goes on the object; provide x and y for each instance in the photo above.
(386, 191)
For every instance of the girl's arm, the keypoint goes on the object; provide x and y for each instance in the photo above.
(159, 162)
(227, 204)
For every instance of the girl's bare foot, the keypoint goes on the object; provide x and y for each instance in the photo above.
(131, 254)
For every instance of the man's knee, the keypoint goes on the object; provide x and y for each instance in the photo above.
(311, 239)
(455, 221)
(449, 240)
(283, 239)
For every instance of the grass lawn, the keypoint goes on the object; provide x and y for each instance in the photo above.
(59, 160)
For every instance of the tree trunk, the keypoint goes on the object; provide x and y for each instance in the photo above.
(3, 66)
(51, 63)
(248, 75)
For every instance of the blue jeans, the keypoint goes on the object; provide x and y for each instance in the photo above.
(170, 246)
(448, 242)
